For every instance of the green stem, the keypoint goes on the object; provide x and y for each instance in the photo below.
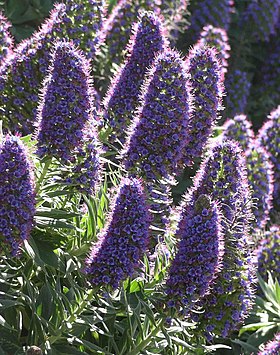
(44, 173)
(146, 342)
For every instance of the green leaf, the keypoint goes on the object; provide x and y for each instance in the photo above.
(246, 346)
(55, 213)
(254, 326)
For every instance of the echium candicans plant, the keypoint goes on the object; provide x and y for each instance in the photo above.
(206, 85)
(199, 256)
(159, 130)
(260, 19)
(6, 40)
(268, 253)
(117, 28)
(22, 73)
(123, 242)
(239, 129)
(269, 138)
(217, 38)
(123, 96)
(66, 114)
(223, 176)
(237, 86)
(17, 195)
(214, 12)
(272, 347)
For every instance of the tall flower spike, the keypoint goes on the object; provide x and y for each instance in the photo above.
(117, 28)
(206, 86)
(239, 129)
(272, 347)
(17, 195)
(269, 138)
(223, 176)
(6, 40)
(268, 254)
(123, 96)
(199, 256)
(159, 131)
(237, 87)
(21, 74)
(122, 243)
(213, 12)
(261, 18)
(260, 175)
(216, 37)
(66, 108)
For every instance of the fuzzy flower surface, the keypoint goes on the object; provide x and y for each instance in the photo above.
(239, 129)
(261, 181)
(223, 176)
(159, 130)
(272, 347)
(199, 256)
(122, 243)
(23, 72)
(6, 40)
(123, 96)
(268, 254)
(238, 87)
(213, 12)
(261, 17)
(269, 138)
(216, 37)
(206, 85)
(17, 195)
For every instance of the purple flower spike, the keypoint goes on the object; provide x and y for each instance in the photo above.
(238, 87)
(122, 243)
(239, 129)
(207, 89)
(269, 138)
(268, 254)
(217, 38)
(199, 256)
(117, 29)
(214, 12)
(272, 347)
(6, 40)
(223, 176)
(260, 174)
(123, 96)
(17, 195)
(261, 18)
(66, 109)
(159, 131)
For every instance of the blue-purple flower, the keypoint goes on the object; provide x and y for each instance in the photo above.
(272, 347)
(268, 253)
(124, 94)
(122, 243)
(159, 131)
(17, 195)
(6, 40)
(206, 87)
(199, 256)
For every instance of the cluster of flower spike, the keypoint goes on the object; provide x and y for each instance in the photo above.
(6, 40)
(268, 254)
(123, 96)
(223, 177)
(206, 84)
(17, 195)
(159, 131)
(261, 17)
(214, 12)
(272, 347)
(216, 37)
(269, 138)
(22, 74)
(199, 255)
(237, 86)
(123, 242)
